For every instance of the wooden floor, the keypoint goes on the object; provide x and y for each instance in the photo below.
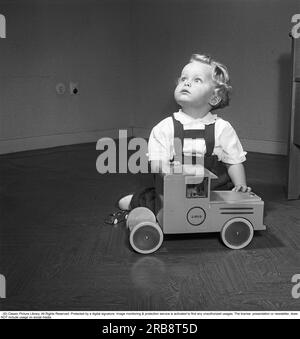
(58, 254)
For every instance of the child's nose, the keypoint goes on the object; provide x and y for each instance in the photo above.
(187, 83)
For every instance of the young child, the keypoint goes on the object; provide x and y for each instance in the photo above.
(202, 87)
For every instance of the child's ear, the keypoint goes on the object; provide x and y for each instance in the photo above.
(214, 100)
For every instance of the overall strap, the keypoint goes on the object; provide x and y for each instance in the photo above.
(178, 139)
(208, 134)
(209, 137)
(178, 129)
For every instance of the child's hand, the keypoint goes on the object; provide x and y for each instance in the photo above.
(241, 188)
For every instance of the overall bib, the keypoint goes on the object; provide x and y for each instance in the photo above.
(223, 182)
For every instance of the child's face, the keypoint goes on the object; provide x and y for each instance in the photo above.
(195, 86)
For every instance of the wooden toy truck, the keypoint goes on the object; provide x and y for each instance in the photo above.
(185, 204)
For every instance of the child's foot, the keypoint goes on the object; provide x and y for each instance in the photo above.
(124, 202)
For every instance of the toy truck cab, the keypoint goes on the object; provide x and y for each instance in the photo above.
(185, 204)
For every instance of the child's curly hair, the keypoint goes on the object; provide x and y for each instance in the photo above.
(220, 76)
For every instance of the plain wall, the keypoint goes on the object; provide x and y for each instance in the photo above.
(126, 56)
(50, 42)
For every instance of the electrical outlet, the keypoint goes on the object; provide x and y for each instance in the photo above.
(60, 88)
(74, 88)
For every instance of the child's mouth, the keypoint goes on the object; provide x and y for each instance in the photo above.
(185, 91)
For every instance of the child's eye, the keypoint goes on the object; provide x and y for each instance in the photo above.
(182, 79)
(198, 80)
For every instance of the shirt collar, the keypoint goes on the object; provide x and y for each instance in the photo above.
(184, 118)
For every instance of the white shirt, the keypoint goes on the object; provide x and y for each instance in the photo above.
(227, 148)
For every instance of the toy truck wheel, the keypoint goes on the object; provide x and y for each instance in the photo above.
(237, 233)
(146, 237)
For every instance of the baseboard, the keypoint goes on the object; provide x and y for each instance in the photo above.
(259, 146)
(47, 141)
(265, 146)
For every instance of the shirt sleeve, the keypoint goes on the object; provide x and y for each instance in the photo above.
(232, 149)
(159, 144)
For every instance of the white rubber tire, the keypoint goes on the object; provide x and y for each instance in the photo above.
(146, 237)
(233, 225)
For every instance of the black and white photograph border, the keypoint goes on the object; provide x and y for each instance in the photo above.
(100, 214)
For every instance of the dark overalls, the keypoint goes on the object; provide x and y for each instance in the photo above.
(146, 196)
(223, 182)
